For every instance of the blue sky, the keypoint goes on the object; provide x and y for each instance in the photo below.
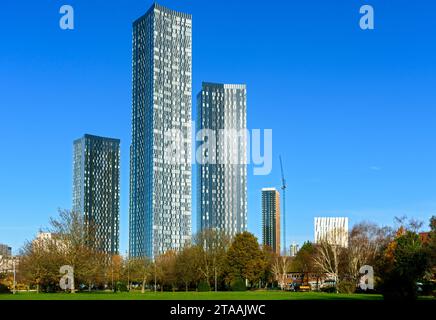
(353, 112)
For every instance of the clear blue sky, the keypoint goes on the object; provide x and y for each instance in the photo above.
(353, 112)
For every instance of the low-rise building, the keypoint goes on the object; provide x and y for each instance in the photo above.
(5, 250)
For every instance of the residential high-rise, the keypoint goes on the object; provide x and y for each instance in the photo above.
(96, 189)
(271, 219)
(333, 230)
(5, 250)
(160, 181)
(221, 157)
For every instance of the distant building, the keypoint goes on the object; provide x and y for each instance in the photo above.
(7, 263)
(5, 250)
(271, 218)
(46, 239)
(44, 236)
(96, 189)
(221, 182)
(294, 249)
(334, 230)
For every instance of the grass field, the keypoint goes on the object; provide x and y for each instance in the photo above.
(249, 295)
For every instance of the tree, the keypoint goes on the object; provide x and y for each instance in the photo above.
(68, 245)
(39, 265)
(365, 241)
(304, 260)
(95, 269)
(245, 259)
(165, 268)
(432, 245)
(115, 270)
(140, 271)
(280, 269)
(212, 245)
(187, 265)
(74, 238)
(403, 263)
(328, 255)
(269, 257)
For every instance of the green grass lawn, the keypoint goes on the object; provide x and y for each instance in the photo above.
(249, 295)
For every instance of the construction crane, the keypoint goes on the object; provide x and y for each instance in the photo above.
(284, 205)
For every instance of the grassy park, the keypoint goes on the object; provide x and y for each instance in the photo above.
(248, 295)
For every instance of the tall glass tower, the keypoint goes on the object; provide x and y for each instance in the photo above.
(96, 189)
(271, 219)
(222, 171)
(160, 182)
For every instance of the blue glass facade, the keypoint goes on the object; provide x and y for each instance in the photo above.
(160, 190)
(222, 178)
(96, 189)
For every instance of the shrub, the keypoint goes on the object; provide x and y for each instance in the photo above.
(329, 289)
(203, 286)
(238, 285)
(4, 289)
(428, 288)
(346, 286)
(398, 288)
(121, 287)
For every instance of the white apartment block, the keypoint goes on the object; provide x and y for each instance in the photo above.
(334, 230)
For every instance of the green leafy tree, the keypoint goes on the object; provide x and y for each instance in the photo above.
(403, 263)
(245, 259)
(304, 260)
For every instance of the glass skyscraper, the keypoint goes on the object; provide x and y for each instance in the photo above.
(271, 219)
(160, 182)
(222, 171)
(96, 189)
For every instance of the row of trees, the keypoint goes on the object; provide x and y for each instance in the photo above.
(401, 258)
(213, 261)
